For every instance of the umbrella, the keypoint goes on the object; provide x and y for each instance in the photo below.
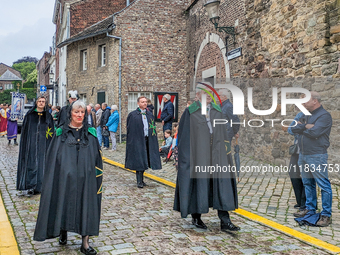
(237, 159)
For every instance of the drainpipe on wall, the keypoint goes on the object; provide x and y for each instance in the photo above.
(119, 83)
(127, 2)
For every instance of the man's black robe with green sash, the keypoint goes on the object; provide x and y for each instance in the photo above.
(72, 187)
(36, 135)
(198, 149)
(137, 157)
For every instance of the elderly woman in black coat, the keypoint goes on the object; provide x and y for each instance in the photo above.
(72, 186)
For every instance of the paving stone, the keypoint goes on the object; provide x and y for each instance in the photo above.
(142, 220)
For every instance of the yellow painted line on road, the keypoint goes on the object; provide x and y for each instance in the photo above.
(254, 217)
(150, 176)
(8, 244)
(289, 231)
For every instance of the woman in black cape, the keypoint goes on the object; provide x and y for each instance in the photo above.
(72, 186)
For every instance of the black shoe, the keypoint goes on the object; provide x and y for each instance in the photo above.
(229, 227)
(15, 143)
(63, 237)
(199, 223)
(140, 185)
(144, 184)
(88, 251)
(297, 206)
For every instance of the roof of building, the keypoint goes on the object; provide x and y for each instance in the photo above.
(99, 28)
(9, 76)
(4, 68)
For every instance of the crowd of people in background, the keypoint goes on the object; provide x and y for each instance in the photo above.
(81, 125)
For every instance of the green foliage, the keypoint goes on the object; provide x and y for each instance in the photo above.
(25, 68)
(6, 97)
(32, 77)
(29, 85)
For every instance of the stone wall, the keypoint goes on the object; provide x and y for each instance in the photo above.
(284, 44)
(96, 78)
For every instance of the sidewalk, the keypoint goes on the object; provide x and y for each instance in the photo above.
(269, 195)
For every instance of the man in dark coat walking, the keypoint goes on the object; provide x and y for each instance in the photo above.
(167, 114)
(142, 151)
(73, 96)
(36, 135)
(103, 120)
(204, 151)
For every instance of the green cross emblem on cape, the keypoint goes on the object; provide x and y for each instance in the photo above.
(153, 127)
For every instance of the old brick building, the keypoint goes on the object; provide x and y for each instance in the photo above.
(284, 43)
(70, 18)
(153, 55)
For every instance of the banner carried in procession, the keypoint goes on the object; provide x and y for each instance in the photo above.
(18, 106)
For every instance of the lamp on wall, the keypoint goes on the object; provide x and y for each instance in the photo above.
(212, 8)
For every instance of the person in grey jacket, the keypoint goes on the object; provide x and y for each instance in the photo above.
(314, 131)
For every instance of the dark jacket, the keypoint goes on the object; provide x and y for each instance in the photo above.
(36, 135)
(105, 117)
(316, 139)
(195, 193)
(136, 156)
(227, 110)
(168, 112)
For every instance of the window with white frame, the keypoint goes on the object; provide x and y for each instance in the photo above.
(9, 86)
(132, 100)
(102, 55)
(83, 59)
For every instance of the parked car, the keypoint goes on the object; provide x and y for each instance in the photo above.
(27, 107)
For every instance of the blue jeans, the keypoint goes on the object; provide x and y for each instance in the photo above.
(106, 141)
(314, 170)
(99, 135)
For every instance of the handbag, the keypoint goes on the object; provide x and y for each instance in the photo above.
(293, 149)
(105, 132)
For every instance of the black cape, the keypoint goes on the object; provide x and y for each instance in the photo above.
(72, 187)
(197, 147)
(136, 157)
(36, 135)
(62, 118)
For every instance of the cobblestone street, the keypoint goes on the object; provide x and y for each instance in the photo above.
(142, 220)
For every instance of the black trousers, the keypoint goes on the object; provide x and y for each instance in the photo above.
(223, 215)
(140, 174)
(295, 178)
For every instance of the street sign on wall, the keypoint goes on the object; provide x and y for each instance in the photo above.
(235, 53)
(43, 88)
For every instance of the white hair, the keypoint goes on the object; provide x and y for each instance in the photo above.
(78, 104)
(114, 107)
(224, 92)
(167, 96)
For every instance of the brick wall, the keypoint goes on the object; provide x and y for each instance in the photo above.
(89, 12)
(153, 57)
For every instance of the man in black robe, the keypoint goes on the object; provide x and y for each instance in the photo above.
(142, 150)
(201, 146)
(73, 96)
(36, 135)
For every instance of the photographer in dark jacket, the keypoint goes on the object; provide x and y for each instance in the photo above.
(314, 131)
(167, 114)
(104, 119)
